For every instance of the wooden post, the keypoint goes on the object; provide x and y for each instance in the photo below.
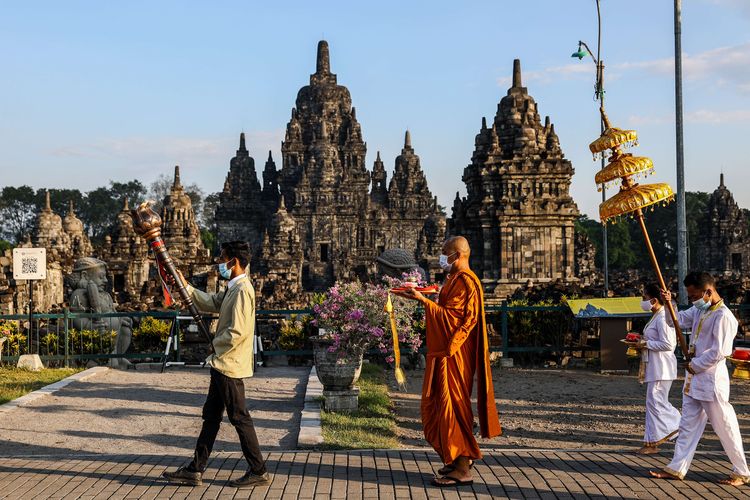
(670, 308)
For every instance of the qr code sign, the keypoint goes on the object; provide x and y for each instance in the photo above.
(29, 265)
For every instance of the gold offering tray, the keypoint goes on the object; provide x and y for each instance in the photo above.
(632, 351)
(741, 368)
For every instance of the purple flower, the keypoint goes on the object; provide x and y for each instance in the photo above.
(356, 315)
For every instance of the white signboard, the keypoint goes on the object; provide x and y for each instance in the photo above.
(29, 263)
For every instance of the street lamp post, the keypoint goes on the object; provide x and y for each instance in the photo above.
(682, 243)
(599, 95)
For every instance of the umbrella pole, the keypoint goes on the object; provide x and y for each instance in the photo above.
(670, 308)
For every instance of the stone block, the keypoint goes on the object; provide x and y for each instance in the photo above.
(506, 362)
(30, 362)
(347, 400)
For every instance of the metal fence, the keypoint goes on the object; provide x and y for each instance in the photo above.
(521, 330)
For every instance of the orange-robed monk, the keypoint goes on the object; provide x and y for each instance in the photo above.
(457, 348)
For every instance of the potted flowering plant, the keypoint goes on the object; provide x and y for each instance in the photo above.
(352, 320)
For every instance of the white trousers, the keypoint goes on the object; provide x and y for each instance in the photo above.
(723, 419)
(662, 419)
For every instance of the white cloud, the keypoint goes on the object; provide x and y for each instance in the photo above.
(552, 74)
(742, 5)
(155, 150)
(716, 117)
(722, 66)
(699, 116)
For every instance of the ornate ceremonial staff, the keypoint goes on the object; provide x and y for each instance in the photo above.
(147, 224)
(633, 197)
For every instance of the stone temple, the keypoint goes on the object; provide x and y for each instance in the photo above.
(723, 244)
(518, 213)
(324, 216)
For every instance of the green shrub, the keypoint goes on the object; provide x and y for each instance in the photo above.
(91, 341)
(15, 341)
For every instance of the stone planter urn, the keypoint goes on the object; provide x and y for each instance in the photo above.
(337, 376)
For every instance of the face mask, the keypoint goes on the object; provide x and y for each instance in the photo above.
(443, 262)
(646, 305)
(701, 304)
(225, 272)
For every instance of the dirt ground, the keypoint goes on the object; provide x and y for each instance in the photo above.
(571, 409)
(147, 412)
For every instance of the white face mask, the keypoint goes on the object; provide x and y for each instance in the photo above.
(646, 305)
(443, 261)
(701, 304)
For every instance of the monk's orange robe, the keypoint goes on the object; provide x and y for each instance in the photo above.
(457, 347)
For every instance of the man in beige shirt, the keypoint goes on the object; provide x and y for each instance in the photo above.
(231, 361)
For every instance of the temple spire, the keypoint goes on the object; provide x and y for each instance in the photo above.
(47, 206)
(126, 206)
(71, 210)
(242, 142)
(721, 179)
(176, 184)
(270, 157)
(324, 62)
(407, 139)
(517, 73)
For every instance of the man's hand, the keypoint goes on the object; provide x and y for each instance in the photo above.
(412, 294)
(690, 369)
(666, 295)
(169, 279)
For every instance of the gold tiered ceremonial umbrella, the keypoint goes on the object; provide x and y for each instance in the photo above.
(633, 198)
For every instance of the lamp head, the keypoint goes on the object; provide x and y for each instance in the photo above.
(580, 53)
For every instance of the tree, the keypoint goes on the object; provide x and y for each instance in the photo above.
(101, 206)
(662, 228)
(17, 212)
(208, 211)
(59, 199)
(620, 253)
(162, 186)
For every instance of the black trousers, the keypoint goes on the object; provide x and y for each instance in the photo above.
(227, 393)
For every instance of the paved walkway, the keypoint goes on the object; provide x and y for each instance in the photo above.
(366, 474)
(147, 412)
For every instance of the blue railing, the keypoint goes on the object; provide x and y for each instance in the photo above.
(53, 337)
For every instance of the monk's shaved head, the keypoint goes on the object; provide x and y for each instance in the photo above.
(457, 244)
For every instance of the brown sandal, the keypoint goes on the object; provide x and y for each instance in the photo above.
(662, 474)
(450, 468)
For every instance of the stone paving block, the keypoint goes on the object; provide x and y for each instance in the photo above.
(364, 474)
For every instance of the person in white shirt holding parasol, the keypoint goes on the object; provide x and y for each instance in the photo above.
(706, 391)
(658, 369)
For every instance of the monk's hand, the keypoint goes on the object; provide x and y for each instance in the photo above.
(666, 296)
(412, 294)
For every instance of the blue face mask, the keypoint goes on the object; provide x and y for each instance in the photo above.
(224, 271)
(701, 304)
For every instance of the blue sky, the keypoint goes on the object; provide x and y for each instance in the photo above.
(98, 91)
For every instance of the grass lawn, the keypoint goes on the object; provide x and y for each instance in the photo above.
(372, 426)
(14, 383)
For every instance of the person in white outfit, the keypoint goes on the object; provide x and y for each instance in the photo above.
(658, 370)
(706, 390)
